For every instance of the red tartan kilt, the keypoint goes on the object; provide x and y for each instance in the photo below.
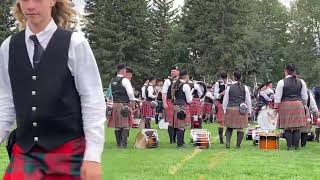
(195, 107)
(147, 110)
(291, 115)
(207, 108)
(182, 124)
(169, 113)
(233, 118)
(116, 120)
(220, 113)
(61, 163)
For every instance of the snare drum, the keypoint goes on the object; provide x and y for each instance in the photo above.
(268, 141)
(147, 138)
(136, 123)
(200, 138)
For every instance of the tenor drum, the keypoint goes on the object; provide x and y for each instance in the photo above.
(268, 141)
(147, 138)
(200, 138)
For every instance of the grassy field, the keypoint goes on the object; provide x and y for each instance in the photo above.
(167, 162)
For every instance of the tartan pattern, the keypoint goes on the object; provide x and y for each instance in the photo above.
(116, 120)
(233, 118)
(308, 127)
(169, 113)
(147, 110)
(207, 108)
(61, 163)
(291, 115)
(220, 113)
(182, 124)
(195, 107)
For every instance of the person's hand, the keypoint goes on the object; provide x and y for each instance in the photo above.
(91, 171)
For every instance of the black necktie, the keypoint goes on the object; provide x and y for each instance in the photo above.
(38, 51)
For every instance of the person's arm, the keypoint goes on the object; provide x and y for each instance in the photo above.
(187, 91)
(304, 92)
(216, 91)
(150, 92)
(265, 96)
(164, 92)
(278, 94)
(313, 105)
(209, 95)
(127, 85)
(88, 83)
(197, 87)
(7, 109)
(226, 100)
(248, 100)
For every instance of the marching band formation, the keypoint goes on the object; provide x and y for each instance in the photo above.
(185, 103)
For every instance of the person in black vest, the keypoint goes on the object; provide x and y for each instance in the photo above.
(182, 97)
(148, 111)
(159, 109)
(265, 97)
(219, 91)
(237, 108)
(290, 98)
(195, 106)
(168, 103)
(143, 88)
(121, 117)
(311, 111)
(50, 84)
(208, 101)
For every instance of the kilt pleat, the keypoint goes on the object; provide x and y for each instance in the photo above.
(169, 113)
(62, 163)
(195, 107)
(220, 113)
(147, 110)
(116, 120)
(207, 108)
(233, 118)
(291, 115)
(182, 124)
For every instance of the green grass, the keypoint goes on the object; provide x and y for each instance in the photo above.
(167, 162)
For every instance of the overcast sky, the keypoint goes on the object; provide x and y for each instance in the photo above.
(178, 3)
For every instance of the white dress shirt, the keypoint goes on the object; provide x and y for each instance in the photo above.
(313, 105)
(247, 99)
(127, 85)
(217, 89)
(264, 94)
(166, 85)
(83, 67)
(151, 91)
(279, 91)
(187, 91)
(208, 95)
(198, 88)
(143, 92)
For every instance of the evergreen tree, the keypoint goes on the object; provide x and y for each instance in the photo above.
(6, 20)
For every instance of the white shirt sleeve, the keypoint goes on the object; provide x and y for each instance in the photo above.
(150, 92)
(304, 92)
(313, 105)
(187, 91)
(7, 109)
(265, 96)
(166, 86)
(199, 91)
(143, 93)
(279, 92)
(88, 83)
(216, 90)
(127, 85)
(248, 99)
(210, 95)
(225, 100)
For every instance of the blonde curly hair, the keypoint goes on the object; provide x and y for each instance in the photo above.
(62, 13)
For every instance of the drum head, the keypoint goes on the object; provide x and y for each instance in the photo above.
(267, 119)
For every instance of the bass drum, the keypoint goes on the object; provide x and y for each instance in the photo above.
(268, 119)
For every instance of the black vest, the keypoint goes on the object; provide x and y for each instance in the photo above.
(262, 100)
(237, 95)
(180, 97)
(47, 103)
(208, 100)
(119, 93)
(291, 89)
(147, 93)
(222, 87)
